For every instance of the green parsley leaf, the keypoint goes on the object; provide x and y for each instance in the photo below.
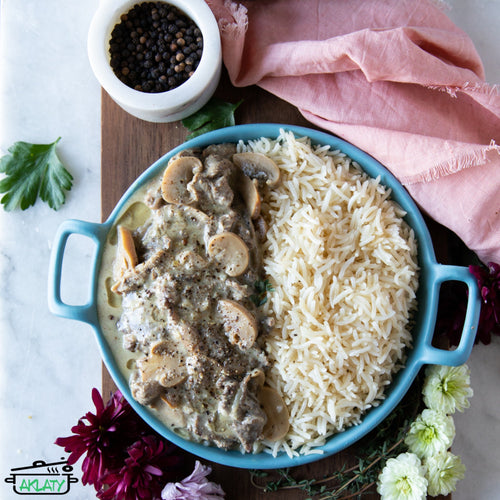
(33, 170)
(214, 115)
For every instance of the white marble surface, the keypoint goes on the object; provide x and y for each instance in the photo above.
(48, 365)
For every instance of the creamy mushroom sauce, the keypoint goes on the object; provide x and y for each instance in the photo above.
(175, 299)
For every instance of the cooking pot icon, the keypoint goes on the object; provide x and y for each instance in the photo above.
(42, 478)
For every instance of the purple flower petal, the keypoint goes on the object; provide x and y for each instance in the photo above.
(194, 487)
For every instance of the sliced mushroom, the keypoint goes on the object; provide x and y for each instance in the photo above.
(135, 278)
(126, 255)
(176, 178)
(240, 325)
(229, 250)
(250, 195)
(257, 376)
(278, 418)
(258, 166)
(165, 364)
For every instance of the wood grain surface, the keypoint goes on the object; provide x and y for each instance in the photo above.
(129, 146)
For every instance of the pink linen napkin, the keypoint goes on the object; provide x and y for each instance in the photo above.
(394, 77)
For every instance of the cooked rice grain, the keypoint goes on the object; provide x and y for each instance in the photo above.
(344, 269)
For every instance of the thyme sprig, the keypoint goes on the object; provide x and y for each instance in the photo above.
(259, 298)
(356, 481)
(349, 483)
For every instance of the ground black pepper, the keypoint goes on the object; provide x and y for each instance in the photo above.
(155, 47)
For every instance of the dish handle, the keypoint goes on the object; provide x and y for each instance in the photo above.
(434, 355)
(85, 312)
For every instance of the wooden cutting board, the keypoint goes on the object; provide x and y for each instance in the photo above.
(129, 146)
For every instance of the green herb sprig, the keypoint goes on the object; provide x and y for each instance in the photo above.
(386, 441)
(259, 298)
(348, 482)
(32, 171)
(214, 115)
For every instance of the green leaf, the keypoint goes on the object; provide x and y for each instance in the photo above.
(32, 171)
(261, 287)
(214, 115)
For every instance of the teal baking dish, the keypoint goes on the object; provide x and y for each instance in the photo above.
(432, 275)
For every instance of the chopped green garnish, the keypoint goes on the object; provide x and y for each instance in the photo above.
(32, 171)
(261, 288)
(214, 115)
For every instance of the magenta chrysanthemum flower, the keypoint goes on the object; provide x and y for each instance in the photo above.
(488, 280)
(453, 304)
(149, 464)
(124, 458)
(101, 436)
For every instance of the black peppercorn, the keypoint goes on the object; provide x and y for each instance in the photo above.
(149, 47)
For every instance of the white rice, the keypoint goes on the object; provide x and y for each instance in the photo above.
(344, 270)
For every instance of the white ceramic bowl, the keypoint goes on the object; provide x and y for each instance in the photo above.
(166, 106)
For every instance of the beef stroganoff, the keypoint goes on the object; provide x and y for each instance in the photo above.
(181, 272)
